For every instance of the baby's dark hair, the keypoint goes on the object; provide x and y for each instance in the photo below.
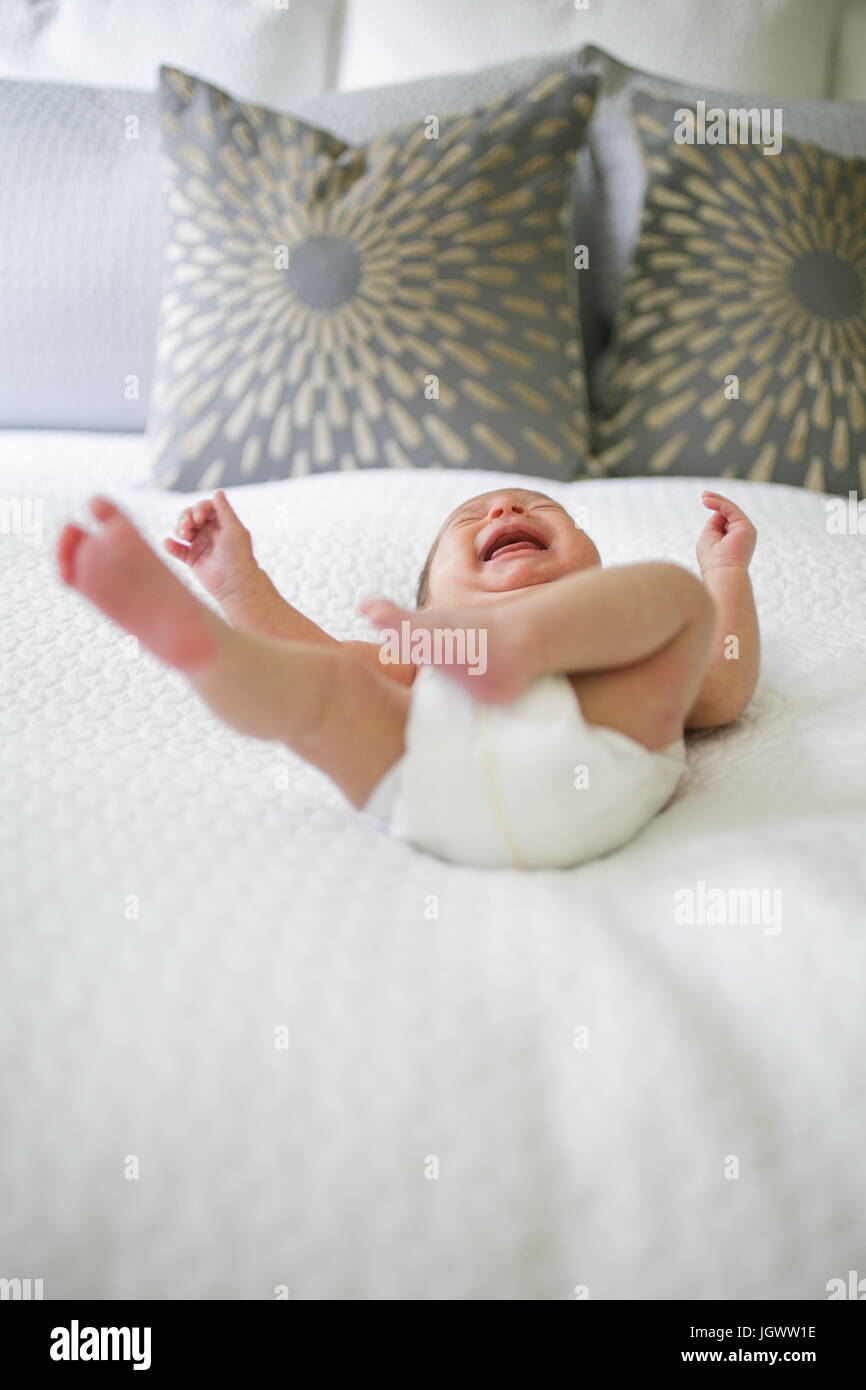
(422, 593)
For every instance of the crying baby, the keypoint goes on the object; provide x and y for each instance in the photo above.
(529, 712)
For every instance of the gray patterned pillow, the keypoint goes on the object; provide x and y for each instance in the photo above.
(612, 183)
(740, 345)
(403, 303)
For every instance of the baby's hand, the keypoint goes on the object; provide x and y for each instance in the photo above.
(216, 546)
(728, 539)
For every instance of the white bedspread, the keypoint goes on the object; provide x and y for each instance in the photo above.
(173, 895)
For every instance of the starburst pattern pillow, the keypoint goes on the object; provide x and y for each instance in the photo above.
(740, 345)
(405, 303)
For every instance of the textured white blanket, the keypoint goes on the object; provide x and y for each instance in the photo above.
(495, 1085)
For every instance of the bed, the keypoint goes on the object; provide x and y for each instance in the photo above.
(255, 1049)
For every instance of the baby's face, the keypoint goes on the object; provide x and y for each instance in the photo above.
(504, 541)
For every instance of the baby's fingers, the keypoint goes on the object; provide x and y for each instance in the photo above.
(717, 503)
(223, 507)
(716, 524)
(203, 512)
(177, 552)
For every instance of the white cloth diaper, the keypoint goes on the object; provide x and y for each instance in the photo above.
(525, 785)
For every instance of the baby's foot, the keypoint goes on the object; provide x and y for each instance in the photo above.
(489, 668)
(117, 571)
(216, 546)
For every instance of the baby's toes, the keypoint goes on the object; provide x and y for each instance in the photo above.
(382, 612)
(70, 539)
(103, 510)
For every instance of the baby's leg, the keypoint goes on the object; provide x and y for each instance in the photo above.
(333, 710)
(634, 640)
(650, 700)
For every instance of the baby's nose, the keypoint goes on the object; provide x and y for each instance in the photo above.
(502, 507)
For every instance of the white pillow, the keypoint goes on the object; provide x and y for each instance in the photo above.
(781, 47)
(262, 51)
(850, 83)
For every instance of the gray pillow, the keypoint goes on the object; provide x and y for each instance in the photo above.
(404, 302)
(81, 250)
(741, 337)
(612, 179)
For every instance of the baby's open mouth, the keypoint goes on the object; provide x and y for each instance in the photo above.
(511, 540)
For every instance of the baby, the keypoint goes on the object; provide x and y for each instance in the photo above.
(559, 747)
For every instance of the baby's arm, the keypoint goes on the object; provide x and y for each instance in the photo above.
(724, 550)
(258, 606)
(218, 549)
(732, 673)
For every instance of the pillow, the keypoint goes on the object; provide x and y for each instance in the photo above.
(265, 50)
(784, 46)
(741, 339)
(399, 303)
(79, 255)
(81, 250)
(612, 180)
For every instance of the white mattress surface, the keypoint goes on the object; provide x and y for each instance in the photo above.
(173, 895)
